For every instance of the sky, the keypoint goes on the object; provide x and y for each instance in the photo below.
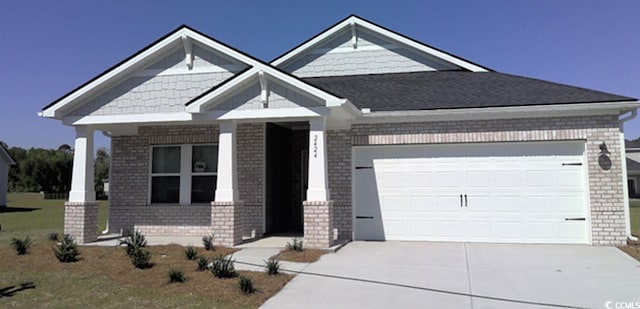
(49, 48)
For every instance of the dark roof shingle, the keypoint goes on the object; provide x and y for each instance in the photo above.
(453, 89)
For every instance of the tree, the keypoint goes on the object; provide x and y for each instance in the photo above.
(101, 168)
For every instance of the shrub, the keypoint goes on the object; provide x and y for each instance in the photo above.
(134, 241)
(176, 275)
(21, 245)
(296, 245)
(223, 267)
(246, 285)
(203, 263)
(207, 241)
(191, 253)
(67, 250)
(54, 236)
(141, 258)
(272, 266)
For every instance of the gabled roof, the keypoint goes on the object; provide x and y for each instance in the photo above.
(139, 59)
(382, 31)
(201, 102)
(6, 156)
(453, 90)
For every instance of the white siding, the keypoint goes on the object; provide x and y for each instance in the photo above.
(163, 86)
(279, 97)
(372, 55)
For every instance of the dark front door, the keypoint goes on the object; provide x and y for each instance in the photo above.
(286, 146)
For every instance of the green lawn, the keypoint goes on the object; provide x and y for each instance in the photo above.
(30, 214)
(634, 211)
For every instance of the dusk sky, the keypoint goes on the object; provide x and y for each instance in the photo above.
(51, 47)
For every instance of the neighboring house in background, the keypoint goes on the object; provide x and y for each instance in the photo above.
(358, 133)
(633, 167)
(5, 163)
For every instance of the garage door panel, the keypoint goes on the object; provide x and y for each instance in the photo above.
(516, 192)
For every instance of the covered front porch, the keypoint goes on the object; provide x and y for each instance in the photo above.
(252, 194)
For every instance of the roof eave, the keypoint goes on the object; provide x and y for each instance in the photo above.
(506, 112)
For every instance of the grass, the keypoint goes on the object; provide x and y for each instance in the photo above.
(30, 214)
(634, 211)
(104, 277)
(304, 256)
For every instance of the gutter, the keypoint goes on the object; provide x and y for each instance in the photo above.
(625, 184)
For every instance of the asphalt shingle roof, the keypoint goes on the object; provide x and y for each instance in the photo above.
(453, 89)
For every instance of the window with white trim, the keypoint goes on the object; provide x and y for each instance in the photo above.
(183, 174)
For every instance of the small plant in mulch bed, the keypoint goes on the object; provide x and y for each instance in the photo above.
(134, 241)
(296, 245)
(67, 250)
(191, 253)
(203, 263)
(223, 267)
(141, 258)
(246, 285)
(207, 241)
(21, 245)
(176, 275)
(272, 266)
(53, 236)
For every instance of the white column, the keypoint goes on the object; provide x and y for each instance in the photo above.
(82, 186)
(227, 185)
(318, 189)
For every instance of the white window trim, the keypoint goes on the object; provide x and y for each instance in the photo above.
(185, 174)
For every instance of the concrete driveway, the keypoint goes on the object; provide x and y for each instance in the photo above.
(459, 275)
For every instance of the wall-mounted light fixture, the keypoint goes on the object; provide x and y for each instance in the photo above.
(603, 158)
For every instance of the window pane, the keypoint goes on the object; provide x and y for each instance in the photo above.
(204, 159)
(166, 160)
(203, 189)
(165, 189)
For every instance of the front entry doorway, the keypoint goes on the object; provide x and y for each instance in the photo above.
(286, 177)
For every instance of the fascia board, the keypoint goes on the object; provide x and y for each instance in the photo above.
(128, 119)
(53, 111)
(202, 104)
(381, 31)
(130, 65)
(557, 110)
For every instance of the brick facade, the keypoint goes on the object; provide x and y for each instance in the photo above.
(318, 224)
(81, 221)
(606, 203)
(326, 221)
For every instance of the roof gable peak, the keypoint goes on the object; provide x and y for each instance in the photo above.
(353, 21)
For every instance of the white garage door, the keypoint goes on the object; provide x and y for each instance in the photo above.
(497, 192)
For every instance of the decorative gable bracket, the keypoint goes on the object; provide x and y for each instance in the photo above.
(264, 90)
(354, 36)
(188, 51)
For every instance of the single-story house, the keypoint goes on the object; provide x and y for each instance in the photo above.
(358, 133)
(5, 163)
(633, 167)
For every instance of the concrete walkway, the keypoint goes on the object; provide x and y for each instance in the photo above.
(251, 256)
(459, 275)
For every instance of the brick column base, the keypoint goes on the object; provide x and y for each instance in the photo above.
(227, 224)
(81, 221)
(318, 224)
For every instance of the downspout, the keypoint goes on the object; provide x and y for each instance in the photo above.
(108, 135)
(625, 184)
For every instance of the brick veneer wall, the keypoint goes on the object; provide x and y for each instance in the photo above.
(129, 206)
(250, 152)
(606, 203)
(339, 169)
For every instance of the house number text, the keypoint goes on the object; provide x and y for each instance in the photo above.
(315, 146)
